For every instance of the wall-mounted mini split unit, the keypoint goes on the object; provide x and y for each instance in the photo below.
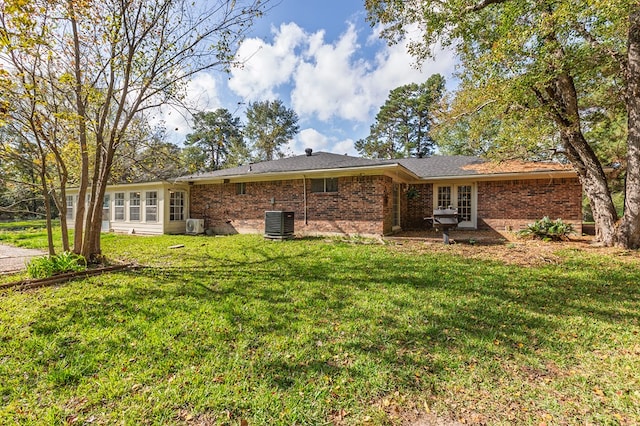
(195, 226)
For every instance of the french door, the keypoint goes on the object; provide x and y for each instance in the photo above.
(461, 197)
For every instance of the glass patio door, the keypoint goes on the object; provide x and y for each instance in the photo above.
(461, 197)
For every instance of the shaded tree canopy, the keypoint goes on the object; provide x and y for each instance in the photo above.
(146, 156)
(19, 182)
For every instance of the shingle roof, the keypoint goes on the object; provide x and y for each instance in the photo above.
(459, 166)
(517, 166)
(316, 161)
(439, 166)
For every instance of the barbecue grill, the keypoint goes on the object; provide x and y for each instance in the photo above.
(445, 219)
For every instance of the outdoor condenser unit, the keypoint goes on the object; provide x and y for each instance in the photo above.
(278, 224)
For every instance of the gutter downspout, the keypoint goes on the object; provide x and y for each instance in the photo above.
(304, 197)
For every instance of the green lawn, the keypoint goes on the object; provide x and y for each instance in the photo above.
(318, 331)
(21, 225)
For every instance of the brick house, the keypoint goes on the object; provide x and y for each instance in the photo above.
(339, 194)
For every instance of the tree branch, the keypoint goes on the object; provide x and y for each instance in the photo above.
(477, 110)
(478, 7)
(620, 58)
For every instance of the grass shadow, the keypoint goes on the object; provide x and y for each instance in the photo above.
(348, 322)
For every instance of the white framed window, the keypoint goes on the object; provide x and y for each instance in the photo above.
(151, 206)
(465, 196)
(324, 185)
(241, 188)
(106, 208)
(134, 206)
(444, 197)
(177, 202)
(118, 206)
(70, 207)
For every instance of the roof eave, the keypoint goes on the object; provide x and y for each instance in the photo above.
(391, 169)
(507, 175)
(298, 174)
(155, 183)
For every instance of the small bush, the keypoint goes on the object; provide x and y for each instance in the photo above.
(43, 267)
(40, 267)
(547, 230)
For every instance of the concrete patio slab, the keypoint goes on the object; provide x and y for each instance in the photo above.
(15, 259)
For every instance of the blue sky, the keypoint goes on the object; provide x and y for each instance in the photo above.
(324, 61)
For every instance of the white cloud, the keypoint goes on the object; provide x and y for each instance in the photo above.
(345, 146)
(328, 80)
(317, 141)
(394, 67)
(201, 95)
(265, 67)
(310, 138)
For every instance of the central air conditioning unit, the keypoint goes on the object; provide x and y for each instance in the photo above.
(195, 226)
(278, 224)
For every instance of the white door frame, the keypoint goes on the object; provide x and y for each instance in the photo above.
(469, 224)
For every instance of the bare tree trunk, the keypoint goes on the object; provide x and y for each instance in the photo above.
(87, 238)
(47, 208)
(594, 183)
(95, 227)
(61, 202)
(104, 163)
(47, 204)
(629, 231)
(34, 201)
(562, 99)
(61, 199)
(82, 137)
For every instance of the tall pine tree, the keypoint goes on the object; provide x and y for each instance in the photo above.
(217, 137)
(269, 126)
(402, 126)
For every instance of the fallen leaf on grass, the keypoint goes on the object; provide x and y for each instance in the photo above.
(340, 414)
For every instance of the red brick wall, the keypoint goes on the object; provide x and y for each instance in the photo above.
(363, 205)
(512, 204)
(506, 205)
(386, 190)
(418, 207)
(357, 208)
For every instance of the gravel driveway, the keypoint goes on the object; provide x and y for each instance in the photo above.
(14, 259)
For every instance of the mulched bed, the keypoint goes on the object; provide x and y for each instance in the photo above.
(505, 247)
